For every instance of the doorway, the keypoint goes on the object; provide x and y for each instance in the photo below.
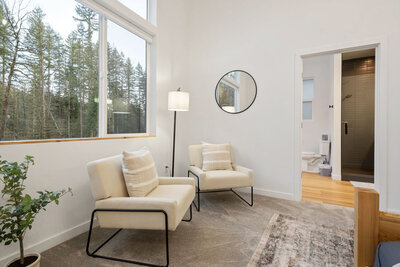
(358, 115)
(318, 125)
(380, 123)
(349, 107)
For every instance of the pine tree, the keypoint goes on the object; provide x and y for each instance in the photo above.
(88, 25)
(12, 33)
(142, 92)
(49, 86)
(52, 43)
(35, 70)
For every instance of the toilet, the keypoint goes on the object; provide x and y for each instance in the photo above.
(311, 160)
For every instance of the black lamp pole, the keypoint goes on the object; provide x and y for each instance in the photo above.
(177, 105)
(173, 147)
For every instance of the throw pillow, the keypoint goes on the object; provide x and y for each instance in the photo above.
(216, 157)
(139, 172)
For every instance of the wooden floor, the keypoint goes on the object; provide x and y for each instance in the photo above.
(322, 189)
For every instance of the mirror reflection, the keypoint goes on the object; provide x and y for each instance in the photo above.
(236, 91)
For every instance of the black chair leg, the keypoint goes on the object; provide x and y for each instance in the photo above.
(198, 200)
(197, 206)
(93, 254)
(251, 197)
(190, 210)
(198, 192)
(197, 189)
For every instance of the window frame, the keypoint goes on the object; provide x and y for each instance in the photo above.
(235, 85)
(126, 18)
(103, 84)
(144, 28)
(308, 100)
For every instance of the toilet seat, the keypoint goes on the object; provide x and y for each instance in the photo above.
(310, 155)
(311, 161)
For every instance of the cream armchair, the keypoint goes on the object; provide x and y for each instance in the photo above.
(218, 180)
(162, 209)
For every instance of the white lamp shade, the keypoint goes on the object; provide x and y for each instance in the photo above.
(178, 101)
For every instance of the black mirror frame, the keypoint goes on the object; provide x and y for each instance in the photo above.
(255, 95)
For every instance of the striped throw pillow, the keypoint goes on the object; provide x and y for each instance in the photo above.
(139, 172)
(216, 157)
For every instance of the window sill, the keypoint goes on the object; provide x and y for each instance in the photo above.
(71, 140)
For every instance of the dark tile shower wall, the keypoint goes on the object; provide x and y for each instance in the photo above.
(358, 100)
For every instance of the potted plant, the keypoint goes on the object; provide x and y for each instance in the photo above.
(19, 210)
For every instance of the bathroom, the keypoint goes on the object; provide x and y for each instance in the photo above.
(317, 114)
(338, 116)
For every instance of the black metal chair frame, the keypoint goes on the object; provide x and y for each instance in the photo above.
(198, 192)
(93, 254)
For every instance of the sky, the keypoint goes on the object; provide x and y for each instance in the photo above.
(59, 15)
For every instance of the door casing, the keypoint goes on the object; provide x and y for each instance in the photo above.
(380, 161)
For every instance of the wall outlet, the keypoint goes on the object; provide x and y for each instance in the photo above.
(166, 169)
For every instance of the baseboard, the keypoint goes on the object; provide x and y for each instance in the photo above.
(272, 193)
(336, 177)
(51, 241)
(268, 193)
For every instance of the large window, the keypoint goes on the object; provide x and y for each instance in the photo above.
(50, 68)
(126, 99)
(138, 6)
(308, 96)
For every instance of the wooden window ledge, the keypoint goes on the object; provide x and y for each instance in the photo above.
(71, 140)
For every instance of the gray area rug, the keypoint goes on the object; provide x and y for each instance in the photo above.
(288, 241)
(225, 233)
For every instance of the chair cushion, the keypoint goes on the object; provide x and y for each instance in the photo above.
(224, 179)
(387, 254)
(174, 199)
(216, 157)
(106, 178)
(196, 159)
(139, 172)
(183, 194)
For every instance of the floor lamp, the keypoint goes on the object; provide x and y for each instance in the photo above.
(177, 101)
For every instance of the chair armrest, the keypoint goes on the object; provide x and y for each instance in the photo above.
(176, 180)
(197, 171)
(135, 219)
(137, 203)
(247, 171)
(199, 174)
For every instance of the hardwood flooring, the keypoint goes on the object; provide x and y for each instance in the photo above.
(317, 188)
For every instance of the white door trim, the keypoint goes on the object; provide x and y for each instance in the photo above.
(380, 174)
(336, 138)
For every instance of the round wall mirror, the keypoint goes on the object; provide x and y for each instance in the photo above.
(236, 91)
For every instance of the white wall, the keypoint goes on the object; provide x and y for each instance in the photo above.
(62, 165)
(262, 37)
(320, 69)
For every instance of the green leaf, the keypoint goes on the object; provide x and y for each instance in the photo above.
(18, 213)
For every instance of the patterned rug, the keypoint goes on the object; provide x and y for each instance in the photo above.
(288, 241)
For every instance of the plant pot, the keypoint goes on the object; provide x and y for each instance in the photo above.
(35, 263)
